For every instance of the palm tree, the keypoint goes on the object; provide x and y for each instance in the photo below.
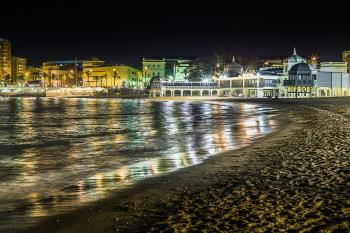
(105, 76)
(19, 79)
(96, 79)
(7, 79)
(45, 76)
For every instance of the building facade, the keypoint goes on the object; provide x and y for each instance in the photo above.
(294, 79)
(62, 73)
(19, 66)
(93, 62)
(171, 69)
(5, 58)
(112, 76)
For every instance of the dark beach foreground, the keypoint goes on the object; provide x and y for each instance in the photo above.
(294, 180)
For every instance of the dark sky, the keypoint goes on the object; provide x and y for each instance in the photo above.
(124, 32)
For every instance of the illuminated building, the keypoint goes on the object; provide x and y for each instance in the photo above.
(62, 73)
(291, 61)
(294, 78)
(5, 58)
(93, 62)
(300, 81)
(172, 69)
(112, 76)
(19, 66)
(340, 67)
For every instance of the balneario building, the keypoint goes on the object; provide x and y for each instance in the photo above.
(294, 78)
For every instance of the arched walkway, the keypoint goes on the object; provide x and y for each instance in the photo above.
(177, 93)
(205, 93)
(168, 93)
(196, 93)
(187, 93)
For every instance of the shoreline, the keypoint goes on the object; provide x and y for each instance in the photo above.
(284, 180)
(101, 215)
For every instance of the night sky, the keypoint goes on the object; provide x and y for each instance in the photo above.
(125, 32)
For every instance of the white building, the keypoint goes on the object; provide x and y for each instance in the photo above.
(295, 79)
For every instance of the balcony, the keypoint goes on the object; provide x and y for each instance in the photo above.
(185, 85)
(307, 82)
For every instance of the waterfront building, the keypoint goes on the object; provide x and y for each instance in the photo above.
(5, 58)
(62, 73)
(163, 88)
(292, 79)
(121, 76)
(331, 82)
(249, 85)
(19, 66)
(340, 67)
(171, 69)
(300, 81)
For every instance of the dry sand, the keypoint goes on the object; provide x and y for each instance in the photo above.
(294, 180)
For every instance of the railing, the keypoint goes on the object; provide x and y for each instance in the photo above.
(298, 82)
(185, 85)
(270, 85)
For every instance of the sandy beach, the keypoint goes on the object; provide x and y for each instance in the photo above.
(296, 180)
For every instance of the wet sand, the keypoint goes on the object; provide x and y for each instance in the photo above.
(296, 179)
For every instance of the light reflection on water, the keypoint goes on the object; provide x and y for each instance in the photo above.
(59, 154)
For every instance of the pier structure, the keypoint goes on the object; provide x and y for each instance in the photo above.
(184, 88)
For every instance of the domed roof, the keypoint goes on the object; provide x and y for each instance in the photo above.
(234, 64)
(300, 68)
(295, 58)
